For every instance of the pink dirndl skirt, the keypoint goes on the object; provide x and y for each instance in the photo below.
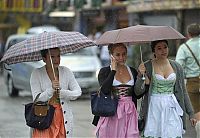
(123, 125)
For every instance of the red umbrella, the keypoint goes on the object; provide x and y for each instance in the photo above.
(139, 34)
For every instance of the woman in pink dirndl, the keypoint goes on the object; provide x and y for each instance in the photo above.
(119, 79)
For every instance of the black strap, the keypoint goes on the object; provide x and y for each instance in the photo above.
(193, 55)
(36, 98)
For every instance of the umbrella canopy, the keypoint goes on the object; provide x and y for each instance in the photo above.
(29, 49)
(139, 34)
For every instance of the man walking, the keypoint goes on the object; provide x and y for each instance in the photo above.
(188, 56)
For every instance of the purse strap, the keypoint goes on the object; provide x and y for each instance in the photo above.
(193, 54)
(36, 98)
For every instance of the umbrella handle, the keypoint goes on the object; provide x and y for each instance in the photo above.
(52, 64)
(143, 77)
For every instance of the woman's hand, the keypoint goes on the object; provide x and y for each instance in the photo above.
(55, 84)
(193, 121)
(142, 68)
(113, 63)
(142, 72)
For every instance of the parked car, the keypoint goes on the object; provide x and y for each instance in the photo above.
(41, 29)
(84, 64)
(17, 76)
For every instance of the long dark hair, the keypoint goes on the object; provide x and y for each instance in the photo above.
(154, 43)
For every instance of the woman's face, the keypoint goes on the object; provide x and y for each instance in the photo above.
(120, 54)
(161, 50)
(55, 56)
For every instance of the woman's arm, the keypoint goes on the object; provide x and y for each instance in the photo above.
(142, 86)
(74, 90)
(105, 78)
(36, 87)
(188, 105)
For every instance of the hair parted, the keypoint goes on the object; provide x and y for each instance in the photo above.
(111, 47)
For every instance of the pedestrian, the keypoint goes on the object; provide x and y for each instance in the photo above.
(190, 61)
(119, 79)
(104, 56)
(43, 81)
(166, 102)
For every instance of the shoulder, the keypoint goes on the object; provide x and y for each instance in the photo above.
(105, 69)
(64, 69)
(38, 70)
(133, 70)
(176, 64)
(182, 47)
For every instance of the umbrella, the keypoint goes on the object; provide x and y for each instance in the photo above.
(139, 34)
(29, 49)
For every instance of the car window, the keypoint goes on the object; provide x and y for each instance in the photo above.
(15, 41)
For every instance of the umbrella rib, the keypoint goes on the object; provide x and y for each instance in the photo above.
(117, 35)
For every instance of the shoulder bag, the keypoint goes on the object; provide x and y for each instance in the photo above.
(39, 114)
(195, 81)
(103, 105)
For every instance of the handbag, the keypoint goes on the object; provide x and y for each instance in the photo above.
(39, 114)
(103, 105)
(196, 81)
(141, 124)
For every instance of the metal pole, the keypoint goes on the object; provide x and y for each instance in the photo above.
(141, 58)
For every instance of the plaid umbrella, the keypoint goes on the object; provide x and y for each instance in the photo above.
(29, 49)
(139, 34)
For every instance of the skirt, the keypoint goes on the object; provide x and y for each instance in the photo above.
(123, 125)
(56, 129)
(164, 117)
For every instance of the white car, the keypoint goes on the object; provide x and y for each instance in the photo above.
(41, 29)
(84, 64)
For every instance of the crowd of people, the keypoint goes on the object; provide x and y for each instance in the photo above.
(167, 99)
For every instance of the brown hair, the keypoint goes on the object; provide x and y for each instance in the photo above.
(111, 47)
(193, 29)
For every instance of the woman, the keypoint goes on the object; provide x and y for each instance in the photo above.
(43, 81)
(166, 102)
(120, 79)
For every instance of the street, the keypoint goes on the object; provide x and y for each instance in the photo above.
(12, 122)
